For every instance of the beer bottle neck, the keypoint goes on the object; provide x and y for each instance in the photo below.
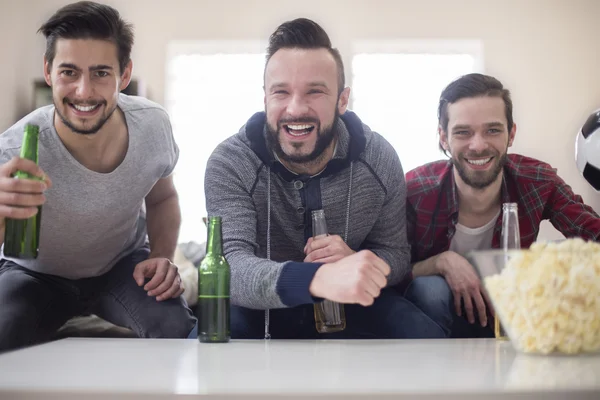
(214, 242)
(29, 149)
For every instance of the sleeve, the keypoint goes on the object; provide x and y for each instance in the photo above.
(570, 215)
(4, 158)
(388, 238)
(6, 154)
(256, 282)
(171, 147)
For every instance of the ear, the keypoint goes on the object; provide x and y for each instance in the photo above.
(443, 139)
(511, 135)
(47, 75)
(126, 76)
(343, 101)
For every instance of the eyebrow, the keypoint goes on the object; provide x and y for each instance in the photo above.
(91, 68)
(487, 125)
(277, 86)
(280, 85)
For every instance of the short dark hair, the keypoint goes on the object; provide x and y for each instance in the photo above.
(473, 85)
(89, 20)
(302, 33)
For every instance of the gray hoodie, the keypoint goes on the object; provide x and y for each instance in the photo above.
(266, 210)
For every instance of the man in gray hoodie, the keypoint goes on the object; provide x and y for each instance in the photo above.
(306, 152)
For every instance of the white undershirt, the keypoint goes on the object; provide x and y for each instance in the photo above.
(468, 239)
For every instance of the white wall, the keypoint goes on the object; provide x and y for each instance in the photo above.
(546, 51)
(12, 94)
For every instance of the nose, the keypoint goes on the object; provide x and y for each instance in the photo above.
(478, 143)
(84, 87)
(297, 106)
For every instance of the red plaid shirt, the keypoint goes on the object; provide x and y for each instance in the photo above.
(432, 205)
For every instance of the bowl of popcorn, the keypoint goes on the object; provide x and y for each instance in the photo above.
(547, 298)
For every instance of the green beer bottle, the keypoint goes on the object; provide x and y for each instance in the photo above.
(22, 236)
(213, 288)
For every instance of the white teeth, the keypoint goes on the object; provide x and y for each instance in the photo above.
(299, 127)
(297, 134)
(84, 108)
(479, 162)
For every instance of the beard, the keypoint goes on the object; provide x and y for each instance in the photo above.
(325, 136)
(480, 179)
(91, 130)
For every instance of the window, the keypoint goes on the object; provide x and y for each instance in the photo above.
(212, 89)
(396, 88)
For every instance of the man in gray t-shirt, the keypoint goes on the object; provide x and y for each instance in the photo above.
(110, 216)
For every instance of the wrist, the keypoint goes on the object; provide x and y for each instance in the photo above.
(162, 254)
(440, 263)
(315, 285)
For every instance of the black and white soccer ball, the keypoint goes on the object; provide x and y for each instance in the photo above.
(587, 150)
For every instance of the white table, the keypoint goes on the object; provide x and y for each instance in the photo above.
(382, 369)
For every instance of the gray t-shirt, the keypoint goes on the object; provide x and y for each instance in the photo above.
(90, 220)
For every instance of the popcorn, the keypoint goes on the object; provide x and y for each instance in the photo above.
(548, 298)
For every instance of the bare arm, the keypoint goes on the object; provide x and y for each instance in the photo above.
(163, 219)
(430, 266)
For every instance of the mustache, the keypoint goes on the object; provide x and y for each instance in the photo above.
(479, 155)
(303, 120)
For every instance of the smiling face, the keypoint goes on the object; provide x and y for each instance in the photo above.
(477, 139)
(302, 103)
(86, 81)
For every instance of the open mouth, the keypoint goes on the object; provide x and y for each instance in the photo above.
(84, 109)
(480, 162)
(299, 130)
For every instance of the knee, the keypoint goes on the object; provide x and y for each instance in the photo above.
(174, 321)
(247, 323)
(398, 318)
(430, 293)
(22, 311)
(18, 325)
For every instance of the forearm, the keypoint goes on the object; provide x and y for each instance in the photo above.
(163, 220)
(428, 267)
(261, 284)
(398, 260)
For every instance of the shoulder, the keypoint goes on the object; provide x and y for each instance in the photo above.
(11, 139)
(142, 108)
(529, 170)
(427, 178)
(380, 155)
(235, 153)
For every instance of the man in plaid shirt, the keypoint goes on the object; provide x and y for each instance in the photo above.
(454, 206)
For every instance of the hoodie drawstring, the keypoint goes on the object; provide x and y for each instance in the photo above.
(267, 315)
(267, 333)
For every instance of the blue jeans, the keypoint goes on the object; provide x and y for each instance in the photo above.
(433, 295)
(390, 317)
(35, 305)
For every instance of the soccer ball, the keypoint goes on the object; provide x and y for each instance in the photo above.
(587, 150)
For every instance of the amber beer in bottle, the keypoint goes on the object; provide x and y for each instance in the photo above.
(329, 315)
(22, 236)
(214, 278)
